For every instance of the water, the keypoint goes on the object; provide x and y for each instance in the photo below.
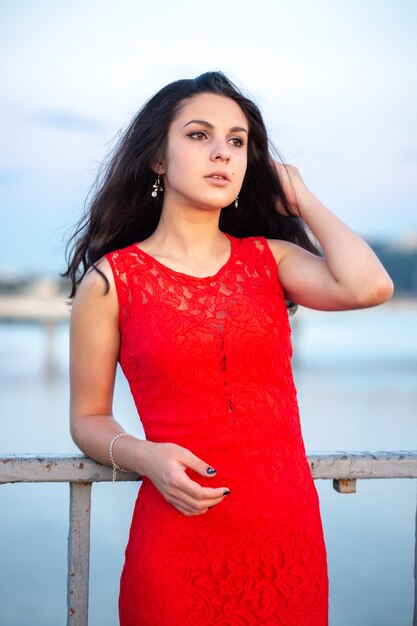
(356, 375)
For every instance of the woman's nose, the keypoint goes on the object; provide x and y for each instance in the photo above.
(221, 153)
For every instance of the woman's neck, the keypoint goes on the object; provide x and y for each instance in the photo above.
(192, 241)
(192, 234)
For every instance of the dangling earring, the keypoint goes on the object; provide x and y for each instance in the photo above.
(237, 201)
(157, 187)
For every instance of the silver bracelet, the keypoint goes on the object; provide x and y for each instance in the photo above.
(114, 464)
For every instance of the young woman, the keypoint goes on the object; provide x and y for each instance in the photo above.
(194, 243)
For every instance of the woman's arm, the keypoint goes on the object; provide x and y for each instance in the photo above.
(94, 349)
(349, 276)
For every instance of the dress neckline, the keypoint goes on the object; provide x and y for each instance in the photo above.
(136, 248)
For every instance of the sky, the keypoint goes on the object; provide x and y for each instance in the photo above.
(335, 80)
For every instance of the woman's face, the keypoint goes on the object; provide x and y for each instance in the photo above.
(206, 153)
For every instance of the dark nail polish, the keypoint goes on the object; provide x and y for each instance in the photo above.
(226, 493)
(210, 470)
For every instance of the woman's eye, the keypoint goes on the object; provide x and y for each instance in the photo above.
(237, 141)
(197, 135)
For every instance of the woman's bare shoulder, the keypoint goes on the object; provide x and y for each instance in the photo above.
(93, 280)
(97, 290)
(280, 248)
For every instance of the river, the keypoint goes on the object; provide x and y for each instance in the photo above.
(356, 375)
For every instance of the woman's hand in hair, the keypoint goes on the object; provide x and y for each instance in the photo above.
(165, 464)
(292, 185)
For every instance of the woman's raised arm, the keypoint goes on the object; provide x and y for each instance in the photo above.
(349, 276)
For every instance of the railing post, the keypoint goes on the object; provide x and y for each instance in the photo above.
(78, 554)
(415, 577)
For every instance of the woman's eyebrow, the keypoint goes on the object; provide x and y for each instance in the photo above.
(235, 129)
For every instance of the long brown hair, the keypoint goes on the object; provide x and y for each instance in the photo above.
(122, 211)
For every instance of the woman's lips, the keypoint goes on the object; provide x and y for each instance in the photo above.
(219, 180)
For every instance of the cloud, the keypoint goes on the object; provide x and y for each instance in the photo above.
(66, 120)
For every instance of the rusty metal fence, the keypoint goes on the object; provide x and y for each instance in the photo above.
(344, 468)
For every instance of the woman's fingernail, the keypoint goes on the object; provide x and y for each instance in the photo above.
(210, 470)
(226, 493)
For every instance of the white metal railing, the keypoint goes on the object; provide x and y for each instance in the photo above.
(344, 468)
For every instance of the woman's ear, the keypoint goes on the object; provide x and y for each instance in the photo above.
(158, 168)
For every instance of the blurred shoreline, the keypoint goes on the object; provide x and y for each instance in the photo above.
(398, 257)
(46, 300)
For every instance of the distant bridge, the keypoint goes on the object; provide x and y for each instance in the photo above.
(43, 305)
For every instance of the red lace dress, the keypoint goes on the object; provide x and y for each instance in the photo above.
(208, 361)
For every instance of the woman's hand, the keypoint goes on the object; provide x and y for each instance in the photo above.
(292, 185)
(165, 464)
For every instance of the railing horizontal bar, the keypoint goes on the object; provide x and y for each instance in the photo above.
(355, 465)
(56, 468)
(16, 468)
